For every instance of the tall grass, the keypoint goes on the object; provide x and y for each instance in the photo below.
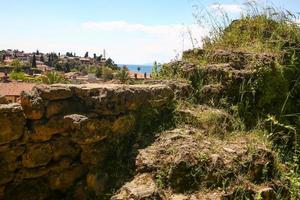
(260, 28)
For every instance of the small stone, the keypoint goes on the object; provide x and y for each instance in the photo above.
(229, 150)
(179, 197)
(141, 187)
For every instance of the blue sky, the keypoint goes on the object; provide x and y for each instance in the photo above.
(131, 31)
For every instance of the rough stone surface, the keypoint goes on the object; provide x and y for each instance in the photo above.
(57, 143)
(141, 188)
(12, 122)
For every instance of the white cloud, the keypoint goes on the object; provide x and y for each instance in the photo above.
(147, 43)
(228, 8)
(131, 27)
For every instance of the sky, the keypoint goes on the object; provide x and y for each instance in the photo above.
(131, 31)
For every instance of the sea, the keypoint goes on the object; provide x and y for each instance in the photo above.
(144, 68)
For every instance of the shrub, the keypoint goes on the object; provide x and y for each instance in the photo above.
(107, 73)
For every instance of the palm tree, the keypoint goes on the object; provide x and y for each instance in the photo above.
(53, 78)
(123, 75)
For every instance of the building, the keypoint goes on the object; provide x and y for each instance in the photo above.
(138, 76)
(12, 91)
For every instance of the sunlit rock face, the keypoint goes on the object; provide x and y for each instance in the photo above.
(68, 141)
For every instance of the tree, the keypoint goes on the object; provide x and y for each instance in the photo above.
(16, 63)
(37, 52)
(53, 78)
(123, 75)
(95, 56)
(155, 70)
(42, 58)
(2, 56)
(33, 64)
(99, 58)
(139, 69)
(86, 55)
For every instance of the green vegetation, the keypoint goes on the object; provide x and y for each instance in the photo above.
(21, 76)
(123, 75)
(250, 67)
(33, 64)
(53, 78)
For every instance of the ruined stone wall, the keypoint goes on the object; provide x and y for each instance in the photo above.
(66, 141)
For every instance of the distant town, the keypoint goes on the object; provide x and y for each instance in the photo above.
(21, 71)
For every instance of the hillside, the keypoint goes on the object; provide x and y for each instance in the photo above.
(221, 123)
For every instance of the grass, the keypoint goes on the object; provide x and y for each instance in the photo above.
(273, 88)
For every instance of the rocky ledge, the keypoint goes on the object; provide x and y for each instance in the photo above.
(70, 141)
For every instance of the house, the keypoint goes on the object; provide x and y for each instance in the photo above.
(136, 75)
(44, 68)
(12, 90)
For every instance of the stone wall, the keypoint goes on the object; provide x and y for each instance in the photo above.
(76, 142)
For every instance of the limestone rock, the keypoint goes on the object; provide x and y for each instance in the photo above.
(37, 155)
(64, 107)
(179, 197)
(12, 122)
(35, 189)
(142, 187)
(31, 173)
(97, 182)
(33, 105)
(64, 147)
(92, 131)
(6, 174)
(94, 154)
(54, 92)
(44, 131)
(124, 124)
(66, 178)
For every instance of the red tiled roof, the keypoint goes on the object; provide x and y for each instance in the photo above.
(139, 75)
(15, 88)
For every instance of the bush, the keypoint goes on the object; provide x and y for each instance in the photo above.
(107, 73)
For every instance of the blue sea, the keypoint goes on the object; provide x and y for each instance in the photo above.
(144, 68)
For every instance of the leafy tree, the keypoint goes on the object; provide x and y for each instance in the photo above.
(42, 58)
(33, 64)
(37, 52)
(2, 56)
(95, 56)
(69, 54)
(139, 69)
(99, 58)
(86, 55)
(16, 63)
(155, 70)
